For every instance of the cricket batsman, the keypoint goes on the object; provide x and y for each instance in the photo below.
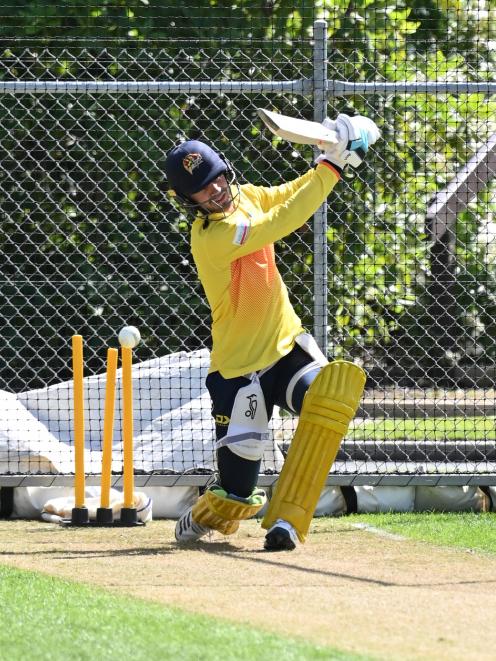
(261, 355)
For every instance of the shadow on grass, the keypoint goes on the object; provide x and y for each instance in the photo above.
(225, 549)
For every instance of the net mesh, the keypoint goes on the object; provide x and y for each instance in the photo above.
(89, 241)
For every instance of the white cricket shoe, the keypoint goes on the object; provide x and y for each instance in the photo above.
(281, 537)
(187, 530)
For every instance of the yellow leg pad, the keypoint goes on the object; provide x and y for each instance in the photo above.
(328, 408)
(217, 511)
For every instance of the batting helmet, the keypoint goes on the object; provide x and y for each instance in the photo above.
(191, 166)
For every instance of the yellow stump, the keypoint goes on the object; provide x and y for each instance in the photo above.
(108, 427)
(127, 426)
(78, 394)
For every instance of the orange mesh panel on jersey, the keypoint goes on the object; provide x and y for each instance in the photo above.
(252, 280)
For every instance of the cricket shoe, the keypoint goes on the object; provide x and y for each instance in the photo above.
(281, 537)
(187, 530)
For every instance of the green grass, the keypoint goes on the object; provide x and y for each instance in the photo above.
(428, 429)
(49, 618)
(466, 530)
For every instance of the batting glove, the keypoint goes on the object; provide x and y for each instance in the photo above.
(355, 136)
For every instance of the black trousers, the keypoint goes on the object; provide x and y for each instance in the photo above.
(281, 386)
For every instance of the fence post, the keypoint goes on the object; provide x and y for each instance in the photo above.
(320, 216)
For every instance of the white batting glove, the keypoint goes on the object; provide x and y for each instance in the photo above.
(355, 136)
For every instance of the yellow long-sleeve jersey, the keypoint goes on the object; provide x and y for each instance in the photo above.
(253, 321)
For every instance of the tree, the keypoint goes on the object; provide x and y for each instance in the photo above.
(83, 213)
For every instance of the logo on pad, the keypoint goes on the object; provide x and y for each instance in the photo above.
(252, 406)
(191, 162)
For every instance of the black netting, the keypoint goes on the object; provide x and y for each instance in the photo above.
(89, 241)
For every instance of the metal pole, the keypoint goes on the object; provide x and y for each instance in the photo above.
(320, 216)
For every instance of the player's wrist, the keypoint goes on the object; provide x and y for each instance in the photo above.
(321, 160)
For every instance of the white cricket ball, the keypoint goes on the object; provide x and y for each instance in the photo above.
(129, 337)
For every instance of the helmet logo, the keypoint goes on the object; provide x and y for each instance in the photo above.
(191, 162)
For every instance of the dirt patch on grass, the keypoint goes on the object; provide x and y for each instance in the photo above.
(347, 587)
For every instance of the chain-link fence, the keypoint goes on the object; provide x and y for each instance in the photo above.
(89, 241)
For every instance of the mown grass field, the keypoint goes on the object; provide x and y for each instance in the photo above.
(50, 618)
(466, 530)
(426, 429)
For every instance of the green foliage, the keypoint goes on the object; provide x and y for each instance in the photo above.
(84, 216)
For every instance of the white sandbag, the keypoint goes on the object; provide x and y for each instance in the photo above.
(331, 502)
(450, 499)
(171, 502)
(385, 499)
(29, 501)
(56, 510)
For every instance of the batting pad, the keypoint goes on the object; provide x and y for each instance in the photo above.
(328, 408)
(219, 511)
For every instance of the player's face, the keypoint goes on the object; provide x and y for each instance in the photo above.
(216, 197)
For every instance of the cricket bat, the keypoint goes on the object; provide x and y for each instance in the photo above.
(301, 131)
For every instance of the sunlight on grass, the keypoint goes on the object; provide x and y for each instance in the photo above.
(468, 530)
(426, 429)
(50, 618)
